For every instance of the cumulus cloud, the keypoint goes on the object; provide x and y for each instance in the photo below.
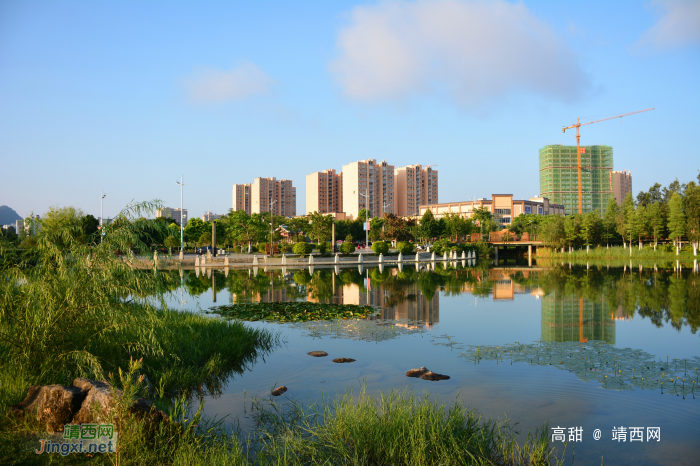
(678, 25)
(474, 50)
(210, 85)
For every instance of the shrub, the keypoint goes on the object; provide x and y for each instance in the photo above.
(323, 248)
(347, 247)
(302, 249)
(285, 247)
(441, 246)
(380, 247)
(405, 247)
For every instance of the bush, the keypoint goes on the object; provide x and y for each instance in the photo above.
(441, 246)
(405, 247)
(302, 249)
(285, 247)
(380, 247)
(323, 248)
(347, 247)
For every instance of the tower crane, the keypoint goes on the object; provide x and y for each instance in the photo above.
(578, 147)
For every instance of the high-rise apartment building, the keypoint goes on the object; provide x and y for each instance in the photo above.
(324, 192)
(559, 176)
(415, 186)
(209, 216)
(271, 194)
(175, 214)
(368, 184)
(241, 197)
(621, 185)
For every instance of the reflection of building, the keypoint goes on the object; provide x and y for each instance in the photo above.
(576, 319)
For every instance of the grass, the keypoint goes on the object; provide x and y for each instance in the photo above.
(293, 311)
(620, 252)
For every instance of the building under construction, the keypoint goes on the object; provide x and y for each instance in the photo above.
(576, 319)
(559, 176)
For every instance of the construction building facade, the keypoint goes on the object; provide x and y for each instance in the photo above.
(324, 192)
(621, 185)
(265, 194)
(368, 185)
(415, 186)
(559, 176)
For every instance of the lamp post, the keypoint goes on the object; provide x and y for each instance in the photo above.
(182, 215)
(102, 196)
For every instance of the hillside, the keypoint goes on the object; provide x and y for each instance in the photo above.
(8, 215)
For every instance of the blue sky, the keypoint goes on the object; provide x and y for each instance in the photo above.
(125, 96)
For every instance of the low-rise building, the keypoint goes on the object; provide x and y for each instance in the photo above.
(503, 207)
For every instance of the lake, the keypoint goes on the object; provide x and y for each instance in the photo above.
(568, 326)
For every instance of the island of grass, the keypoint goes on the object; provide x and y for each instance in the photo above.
(293, 311)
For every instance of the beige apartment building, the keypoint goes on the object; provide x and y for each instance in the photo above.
(415, 186)
(175, 214)
(241, 197)
(265, 193)
(324, 192)
(503, 207)
(368, 184)
(621, 184)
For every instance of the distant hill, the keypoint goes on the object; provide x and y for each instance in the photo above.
(8, 215)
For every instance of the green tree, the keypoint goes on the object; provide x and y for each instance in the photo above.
(589, 227)
(89, 226)
(572, 230)
(676, 219)
(612, 211)
(428, 228)
(347, 247)
(194, 229)
(302, 248)
(625, 218)
(456, 225)
(246, 229)
(320, 227)
(205, 239)
(484, 217)
(692, 214)
(172, 242)
(655, 221)
(641, 223)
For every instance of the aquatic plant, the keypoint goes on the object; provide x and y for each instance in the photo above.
(612, 367)
(360, 329)
(283, 311)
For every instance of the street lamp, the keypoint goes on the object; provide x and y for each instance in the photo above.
(182, 215)
(102, 196)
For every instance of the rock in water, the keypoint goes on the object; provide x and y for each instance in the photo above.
(340, 360)
(318, 354)
(434, 376)
(279, 390)
(417, 372)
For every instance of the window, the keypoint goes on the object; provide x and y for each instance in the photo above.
(502, 211)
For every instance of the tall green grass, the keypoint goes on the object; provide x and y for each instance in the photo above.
(620, 252)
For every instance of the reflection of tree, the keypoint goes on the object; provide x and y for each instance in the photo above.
(196, 285)
(320, 287)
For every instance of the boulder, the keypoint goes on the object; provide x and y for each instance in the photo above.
(417, 372)
(317, 354)
(86, 402)
(342, 360)
(279, 390)
(53, 406)
(434, 376)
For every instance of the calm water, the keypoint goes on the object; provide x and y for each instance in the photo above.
(657, 312)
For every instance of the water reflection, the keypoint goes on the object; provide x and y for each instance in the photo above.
(577, 303)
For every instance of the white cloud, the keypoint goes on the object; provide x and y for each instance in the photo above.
(472, 49)
(678, 25)
(210, 85)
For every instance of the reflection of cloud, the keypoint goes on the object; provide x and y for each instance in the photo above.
(209, 85)
(678, 25)
(471, 49)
